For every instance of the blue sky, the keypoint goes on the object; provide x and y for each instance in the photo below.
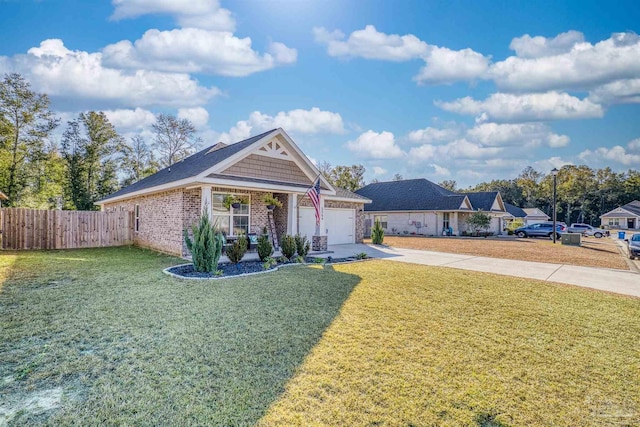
(469, 91)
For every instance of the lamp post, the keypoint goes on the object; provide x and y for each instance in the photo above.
(554, 172)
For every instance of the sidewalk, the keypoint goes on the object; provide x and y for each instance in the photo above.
(617, 281)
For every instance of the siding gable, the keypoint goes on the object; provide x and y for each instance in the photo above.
(268, 167)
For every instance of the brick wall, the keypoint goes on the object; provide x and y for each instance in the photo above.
(191, 211)
(281, 215)
(161, 219)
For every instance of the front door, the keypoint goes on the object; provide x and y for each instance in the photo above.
(631, 223)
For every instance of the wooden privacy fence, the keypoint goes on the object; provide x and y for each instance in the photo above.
(48, 229)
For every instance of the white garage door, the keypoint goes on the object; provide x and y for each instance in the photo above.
(339, 223)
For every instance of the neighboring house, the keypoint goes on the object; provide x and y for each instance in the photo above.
(2, 197)
(171, 200)
(625, 217)
(514, 213)
(534, 216)
(419, 206)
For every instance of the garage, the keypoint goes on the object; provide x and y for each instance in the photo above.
(339, 223)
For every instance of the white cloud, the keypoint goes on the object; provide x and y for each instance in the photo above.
(374, 145)
(629, 156)
(371, 44)
(440, 170)
(198, 116)
(79, 77)
(446, 66)
(458, 149)
(188, 13)
(313, 121)
(537, 47)
(504, 107)
(619, 92)
(130, 120)
(377, 170)
(194, 50)
(531, 134)
(584, 66)
(430, 134)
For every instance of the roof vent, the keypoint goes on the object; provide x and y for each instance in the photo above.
(218, 146)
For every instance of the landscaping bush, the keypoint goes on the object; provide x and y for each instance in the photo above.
(288, 246)
(236, 251)
(265, 248)
(479, 221)
(303, 246)
(206, 246)
(377, 233)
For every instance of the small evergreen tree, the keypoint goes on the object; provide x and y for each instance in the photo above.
(265, 248)
(377, 233)
(288, 246)
(236, 251)
(206, 246)
(303, 246)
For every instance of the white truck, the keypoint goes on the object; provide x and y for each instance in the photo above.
(587, 230)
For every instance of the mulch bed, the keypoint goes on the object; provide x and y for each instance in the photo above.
(244, 267)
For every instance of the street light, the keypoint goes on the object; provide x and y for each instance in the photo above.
(554, 172)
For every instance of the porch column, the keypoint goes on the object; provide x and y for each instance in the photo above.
(319, 240)
(292, 220)
(205, 201)
(456, 229)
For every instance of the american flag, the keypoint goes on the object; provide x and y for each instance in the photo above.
(314, 195)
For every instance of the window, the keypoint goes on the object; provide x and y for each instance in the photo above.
(232, 221)
(137, 219)
(614, 221)
(382, 219)
(445, 221)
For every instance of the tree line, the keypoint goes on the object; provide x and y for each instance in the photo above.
(90, 160)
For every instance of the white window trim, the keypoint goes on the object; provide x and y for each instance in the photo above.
(230, 212)
(136, 219)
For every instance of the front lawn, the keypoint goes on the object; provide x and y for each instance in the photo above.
(101, 336)
(593, 252)
(427, 346)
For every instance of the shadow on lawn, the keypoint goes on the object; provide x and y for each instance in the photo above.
(102, 335)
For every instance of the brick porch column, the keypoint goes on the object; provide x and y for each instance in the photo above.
(319, 241)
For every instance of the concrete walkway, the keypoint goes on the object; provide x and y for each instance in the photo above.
(618, 281)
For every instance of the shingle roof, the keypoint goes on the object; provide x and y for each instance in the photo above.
(189, 167)
(633, 207)
(409, 195)
(346, 194)
(515, 210)
(482, 200)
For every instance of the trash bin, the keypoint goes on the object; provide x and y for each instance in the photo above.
(621, 235)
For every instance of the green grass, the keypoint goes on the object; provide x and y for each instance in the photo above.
(110, 339)
(101, 336)
(419, 346)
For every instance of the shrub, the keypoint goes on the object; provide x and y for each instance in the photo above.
(265, 248)
(377, 234)
(288, 246)
(236, 251)
(283, 259)
(513, 225)
(479, 221)
(269, 263)
(206, 246)
(361, 255)
(303, 246)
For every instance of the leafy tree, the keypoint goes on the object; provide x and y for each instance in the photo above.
(175, 138)
(397, 177)
(25, 125)
(348, 177)
(479, 221)
(137, 161)
(89, 146)
(529, 183)
(449, 184)
(47, 182)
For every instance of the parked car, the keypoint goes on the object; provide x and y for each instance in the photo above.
(633, 246)
(541, 229)
(587, 230)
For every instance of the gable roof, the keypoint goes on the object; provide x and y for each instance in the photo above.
(192, 168)
(631, 207)
(483, 200)
(535, 212)
(411, 195)
(514, 210)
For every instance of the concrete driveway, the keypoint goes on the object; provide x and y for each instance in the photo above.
(618, 281)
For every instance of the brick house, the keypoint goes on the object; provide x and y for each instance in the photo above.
(169, 201)
(420, 206)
